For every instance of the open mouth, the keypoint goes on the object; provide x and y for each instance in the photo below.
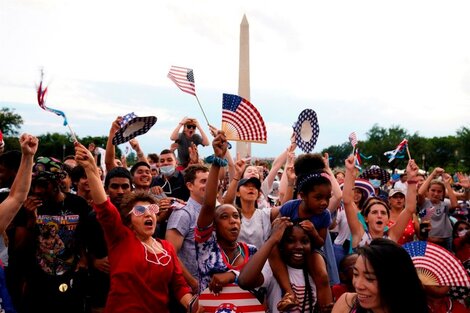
(379, 223)
(148, 223)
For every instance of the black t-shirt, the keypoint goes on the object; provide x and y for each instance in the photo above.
(58, 234)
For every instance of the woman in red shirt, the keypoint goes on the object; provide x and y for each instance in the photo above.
(144, 271)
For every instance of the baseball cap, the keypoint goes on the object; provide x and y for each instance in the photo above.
(253, 180)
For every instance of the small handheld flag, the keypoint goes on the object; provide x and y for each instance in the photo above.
(184, 78)
(241, 121)
(41, 95)
(353, 140)
(394, 153)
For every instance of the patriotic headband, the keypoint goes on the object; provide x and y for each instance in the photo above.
(311, 177)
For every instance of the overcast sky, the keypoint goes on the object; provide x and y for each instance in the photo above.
(356, 63)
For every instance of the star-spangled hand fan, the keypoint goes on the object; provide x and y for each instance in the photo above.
(436, 266)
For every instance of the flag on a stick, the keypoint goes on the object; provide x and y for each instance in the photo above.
(394, 153)
(183, 78)
(353, 139)
(41, 95)
(241, 121)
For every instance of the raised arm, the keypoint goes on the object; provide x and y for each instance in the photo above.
(110, 149)
(446, 179)
(207, 214)
(229, 197)
(140, 154)
(85, 159)
(288, 178)
(357, 230)
(251, 276)
(425, 186)
(336, 193)
(20, 187)
(205, 140)
(176, 131)
(396, 231)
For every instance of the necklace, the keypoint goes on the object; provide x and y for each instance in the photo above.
(162, 260)
(448, 308)
(237, 254)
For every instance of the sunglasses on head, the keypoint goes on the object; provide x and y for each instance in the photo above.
(139, 210)
(191, 126)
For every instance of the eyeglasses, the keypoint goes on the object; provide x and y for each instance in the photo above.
(191, 126)
(139, 210)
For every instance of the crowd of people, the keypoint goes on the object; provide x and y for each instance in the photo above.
(88, 234)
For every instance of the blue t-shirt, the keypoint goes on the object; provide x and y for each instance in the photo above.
(291, 209)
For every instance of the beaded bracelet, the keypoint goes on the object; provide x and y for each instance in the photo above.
(212, 159)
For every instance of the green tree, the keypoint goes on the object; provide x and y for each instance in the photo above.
(10, 122)
(338, 154)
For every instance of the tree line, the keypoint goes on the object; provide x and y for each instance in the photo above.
(450, 152)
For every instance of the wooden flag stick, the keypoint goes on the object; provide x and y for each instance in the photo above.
(202, 110)
(408, 151)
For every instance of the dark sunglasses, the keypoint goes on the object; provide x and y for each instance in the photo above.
(191, 126)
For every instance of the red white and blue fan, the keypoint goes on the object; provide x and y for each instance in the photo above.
(241, 121)
(230, 300)
(436, 266)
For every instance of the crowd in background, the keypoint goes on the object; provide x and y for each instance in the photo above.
(89, 234)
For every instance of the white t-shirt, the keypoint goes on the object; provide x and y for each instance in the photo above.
(343, 228)
(256, 230)
(274, 293)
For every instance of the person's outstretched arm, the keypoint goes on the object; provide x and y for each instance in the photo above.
(410, 206)
(349, 206)
(140, 154)
(207, 214)
(110, 154)
(20, 187)
(250, 276)
(176, 131)
(85, 159)
(205, 139)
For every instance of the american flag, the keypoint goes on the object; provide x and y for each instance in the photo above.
(393, 153)
(437, 266)
(183, 78)
(41, 95)
(426, 214)
(353, 139)
(241, 121)
(126, 118)
(231, 299)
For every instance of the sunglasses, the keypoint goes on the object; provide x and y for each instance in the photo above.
(139, 210)
(191, 126)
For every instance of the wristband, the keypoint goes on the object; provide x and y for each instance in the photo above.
(212, 159)
(411, 182)
(236, 179)
(237, 273)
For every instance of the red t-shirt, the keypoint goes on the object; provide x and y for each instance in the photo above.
(136, 284)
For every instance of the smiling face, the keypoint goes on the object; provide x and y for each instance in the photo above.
(317, 200)
(142, 177)
(227, 223)
(296, 247)
(366, 285)
(145, 224)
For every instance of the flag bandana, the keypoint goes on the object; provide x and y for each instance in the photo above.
(241, 121)
(183, 78)
(395, 154)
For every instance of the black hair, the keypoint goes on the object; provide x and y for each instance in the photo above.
(167, 151)
(117, 172)
(11, 160)
(399, 286)
(77, 173)
(308, 163)
(137, 165)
